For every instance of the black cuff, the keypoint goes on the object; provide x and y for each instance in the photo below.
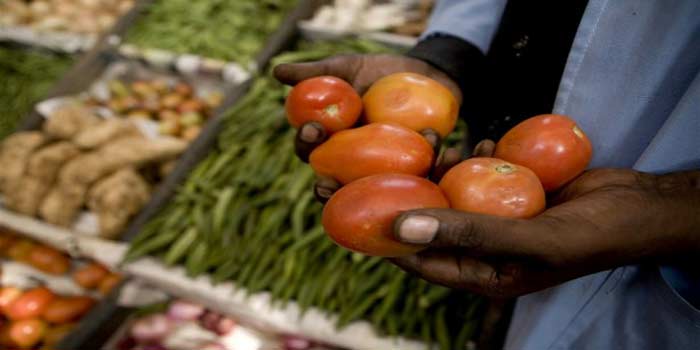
(459, 59)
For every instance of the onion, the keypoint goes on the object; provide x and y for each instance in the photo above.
(213, 346)
(185, 311)
(151, 328)
(296, 343)
(210, 320)
(225, 326)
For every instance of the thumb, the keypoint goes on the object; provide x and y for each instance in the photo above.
(339, 66)
(477, 233)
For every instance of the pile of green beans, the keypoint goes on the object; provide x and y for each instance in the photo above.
(247, 214)
(26, 77)
(221, 29)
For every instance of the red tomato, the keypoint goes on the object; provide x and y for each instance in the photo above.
(31, 304)
(495, 187)
(372, 149)
(360, 215)
(327, 100)
(90, 276)
(7, 296)
(48, 260)
(412, 100)
(551, 145)
(67, 309)
(26, 334)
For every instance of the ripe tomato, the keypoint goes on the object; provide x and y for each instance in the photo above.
(7, 296)
(372, 149)
(90, 276)
(67, 309)
(26, 334)
(495, 187)
(360, 215)
(328, 100)
(48, 260)
(412, 100)
(551, 145)
(31, 304)
(108, 283)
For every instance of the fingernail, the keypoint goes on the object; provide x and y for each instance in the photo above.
(309, 133)
(418, 229)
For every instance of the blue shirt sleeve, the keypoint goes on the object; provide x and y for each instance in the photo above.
(475, 21)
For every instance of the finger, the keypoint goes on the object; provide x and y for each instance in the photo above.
(485, 148)
(324, 188)
(293, 73)
(475, 233)
(433, 139)
(447, 160)
(460, 272)
(308, 137)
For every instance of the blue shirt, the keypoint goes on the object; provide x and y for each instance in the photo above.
(632, 82)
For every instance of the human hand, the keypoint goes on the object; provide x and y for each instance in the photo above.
(603, 219)
(361, 71)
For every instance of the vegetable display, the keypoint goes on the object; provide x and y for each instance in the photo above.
(74, 16)
(246, 214)
(27, 75)
(227, 30)
(37, 307)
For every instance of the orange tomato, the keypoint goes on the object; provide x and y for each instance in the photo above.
(360, 215)
(412, 100)
(108, 283)
(31, 304)
(328, 100)
(48, 260)
(20, 249)
(495, 187)
(372, 149)
(7, 296)
(90, 276)
(67, 309)
(26, 334)
(551, 145)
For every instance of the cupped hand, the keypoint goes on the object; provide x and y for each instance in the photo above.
(603, 219)
(360, 71)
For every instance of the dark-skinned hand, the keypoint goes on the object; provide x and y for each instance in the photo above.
(360, 71)
(604, 219)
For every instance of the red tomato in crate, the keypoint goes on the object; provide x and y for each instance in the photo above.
(372, 149)
(494, 187)
(90, 276)
(360, 215)
(328, 100)
(26, 334)
(412, 100)
(31, 304)
(64, 310)
(48, 260)
(7, 296)
(550, 145)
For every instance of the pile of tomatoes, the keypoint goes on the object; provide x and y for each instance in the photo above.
(377, 151)
(38, 316)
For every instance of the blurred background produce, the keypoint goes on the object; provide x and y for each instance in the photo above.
(73, 16)
(27, 75)
(226, 30)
